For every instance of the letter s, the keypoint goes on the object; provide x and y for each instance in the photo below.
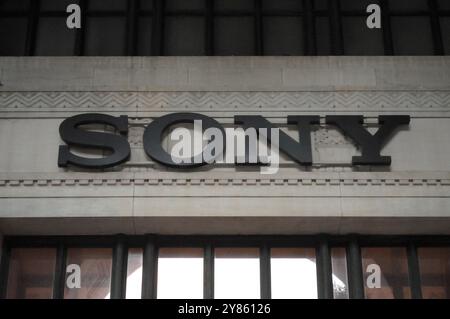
(74, 136)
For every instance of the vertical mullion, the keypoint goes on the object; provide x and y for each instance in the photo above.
(119, 269)
(208, 272)
(150, 268)
(309, 28)
(264, 264)
(81, 32)
(354, 270)
(60, 272)
(324, 271)
(33, 20)
(132, 28)
(337, 43)
(4, 269)
(414, 272)
(436, 28)
(158, 27)
(386, 27)
(259, 45)
(209, 27)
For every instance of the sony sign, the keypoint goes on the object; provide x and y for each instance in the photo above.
(73, 134)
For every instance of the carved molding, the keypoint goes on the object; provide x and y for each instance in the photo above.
(227, 101)
(224, 182)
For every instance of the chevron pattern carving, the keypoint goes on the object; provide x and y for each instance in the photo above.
(397, 100)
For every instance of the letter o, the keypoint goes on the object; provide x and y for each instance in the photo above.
(154, 132)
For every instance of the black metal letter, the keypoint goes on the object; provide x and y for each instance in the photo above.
(299, 151)
(371, 145)
(74, 136)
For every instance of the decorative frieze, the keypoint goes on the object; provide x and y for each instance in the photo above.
(227, 101)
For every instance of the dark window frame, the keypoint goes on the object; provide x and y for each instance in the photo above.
(308, 13)
(151, 243)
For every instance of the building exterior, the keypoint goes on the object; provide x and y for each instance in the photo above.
(128, 227)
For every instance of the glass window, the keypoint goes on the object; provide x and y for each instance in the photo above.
(134, 273)
(95, 266)
(283, 36)
(14, 5)
(53, 5)
(323, 37)
(445, 26)
(385, 272)
(339, 268)
(108, 5)
(13, 35)
(105, 36)
(360, 40)
(359, 5)
(234, 36)
(434, 266)
(408, 5)
(236, 273)
(144, 36)
(282, 5)
(293, 272)
(54, 38)
(31, 272)
(184, 5)
(234, 4)
(180, 273)
(412, 35)
(184, 36)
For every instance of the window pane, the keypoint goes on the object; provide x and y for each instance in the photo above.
(54, 38)
(95, 265)
(107, 5)
(236, 273)
(282, 5)
(339, 267)
(31, 272)
(173, 5)
(53, 5)
(412, 36)
(360, 40)
(385, 273)
(283, 36)
(14, 5)
(444, 4)
(435, 272)
(184, 36)
(13, 33)
(134, 274)
(359, 5)
(323, 36)
(234, 4)
(234, 36)
(445, 26)
(105, 36)
(293, 272)
(180, 273)
(407, 5)
(144, 36)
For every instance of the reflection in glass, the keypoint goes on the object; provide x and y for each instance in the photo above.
(390, 265)
(236, 273)
(31, 272)
(95, 265)
(134, 274)
(180, 273)
(293, 272)
(339, 267)
(434, 266)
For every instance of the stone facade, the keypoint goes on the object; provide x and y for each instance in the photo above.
(410, 197)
